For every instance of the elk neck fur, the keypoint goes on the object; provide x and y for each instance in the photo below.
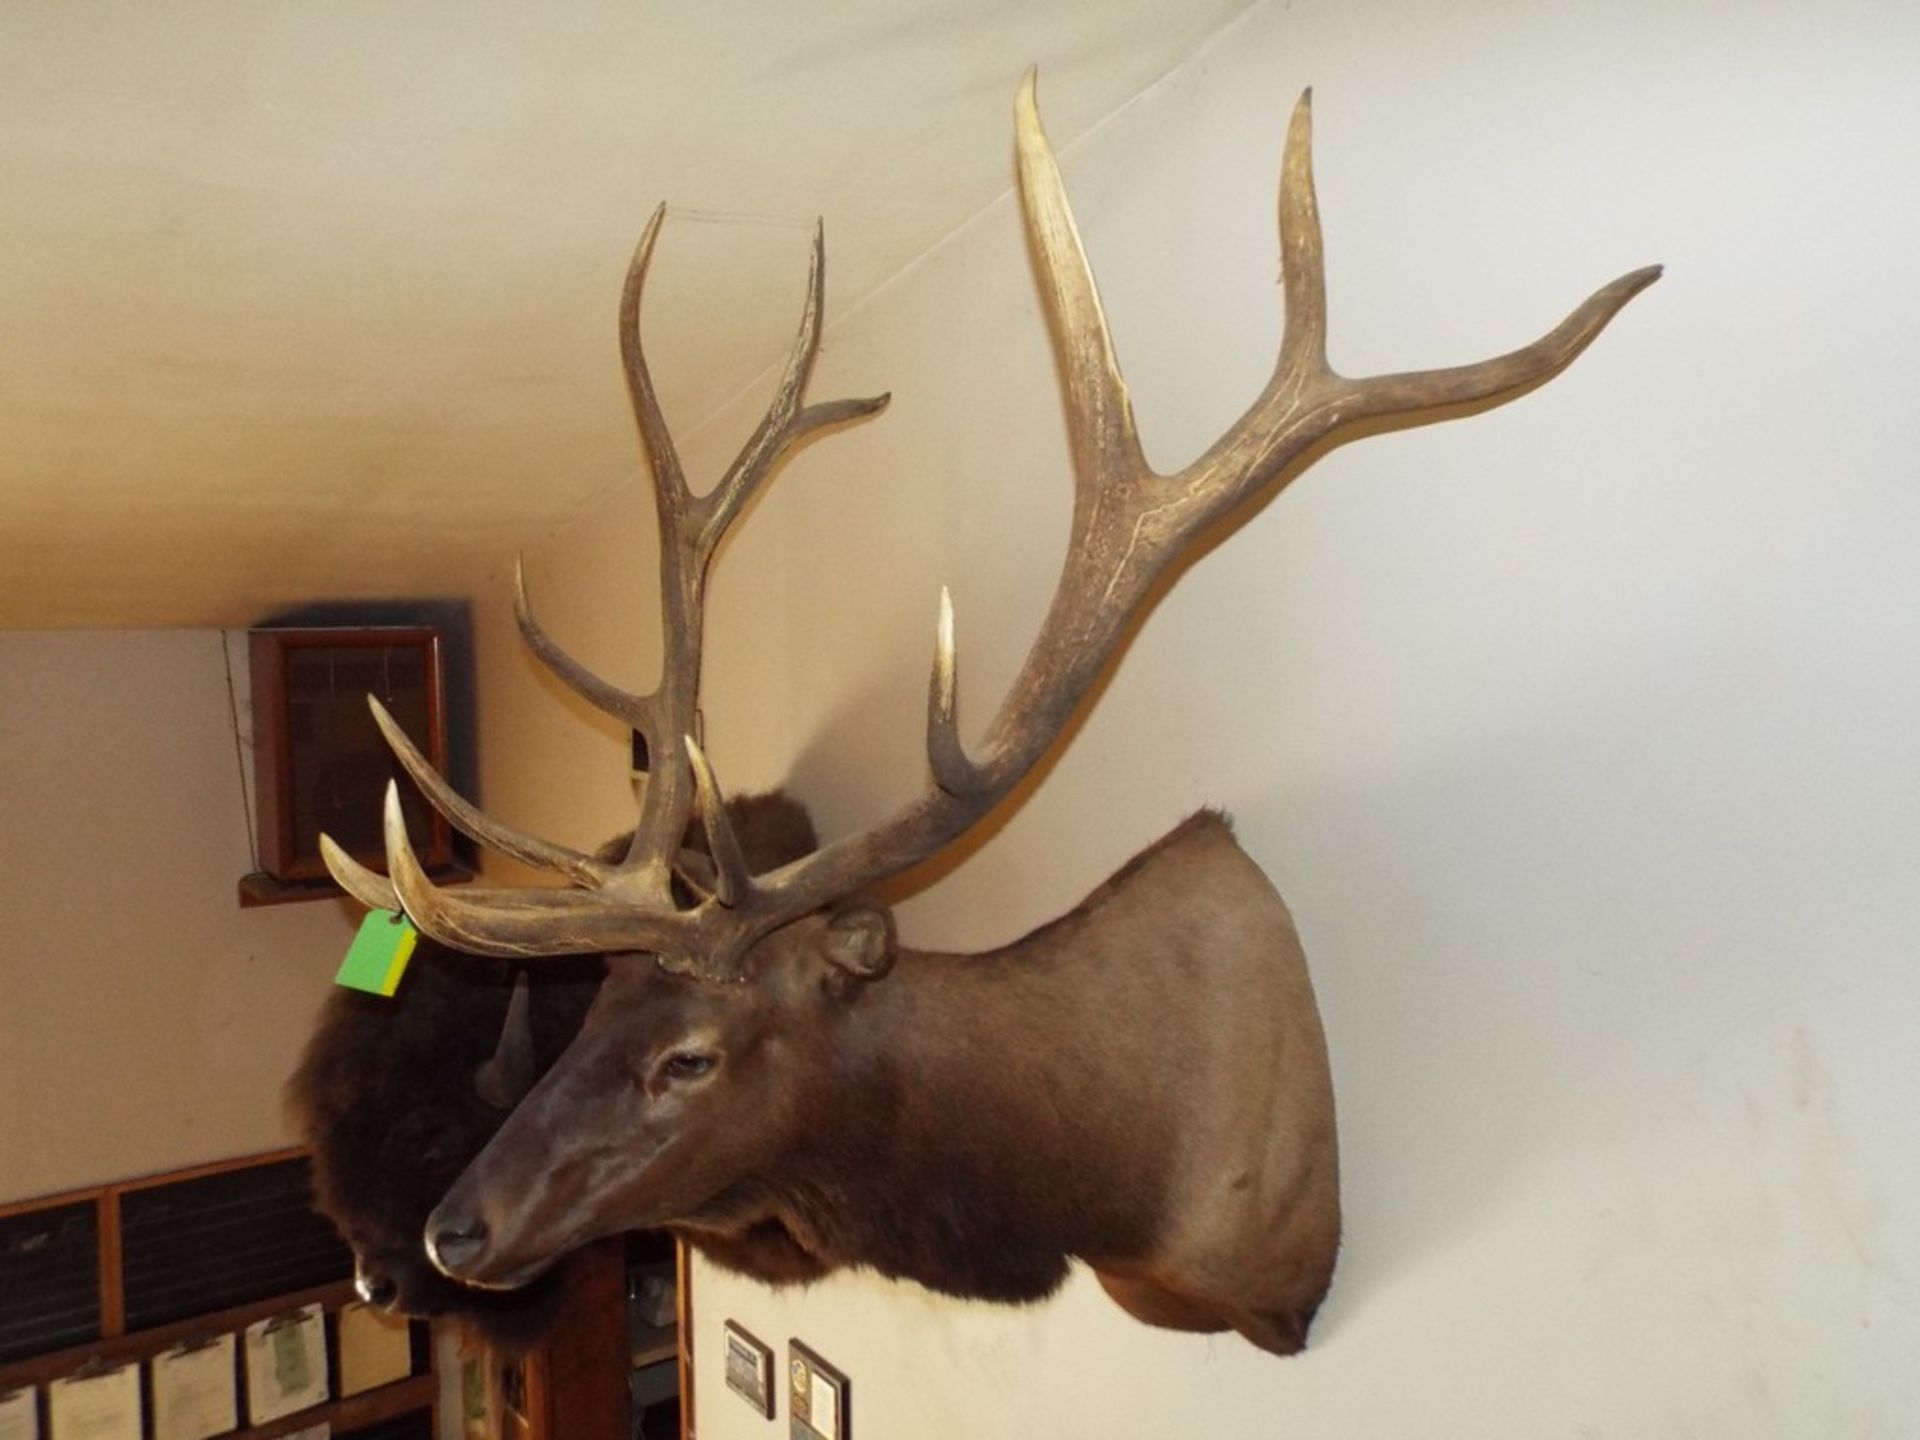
(1141, 1084)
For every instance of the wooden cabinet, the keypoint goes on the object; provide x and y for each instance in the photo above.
(602, 1372)
(320, 762)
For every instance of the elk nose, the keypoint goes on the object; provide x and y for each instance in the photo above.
(454, 1241)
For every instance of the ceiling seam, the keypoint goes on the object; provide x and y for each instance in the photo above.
(634, 473)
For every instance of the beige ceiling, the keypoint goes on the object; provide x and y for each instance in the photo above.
(316, 301)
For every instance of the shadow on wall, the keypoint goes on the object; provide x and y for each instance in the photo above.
(1577, 948)
(454, 620)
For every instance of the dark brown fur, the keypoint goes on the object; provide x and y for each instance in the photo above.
(385, 1098)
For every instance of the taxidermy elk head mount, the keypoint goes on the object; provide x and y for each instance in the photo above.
(1142, 1084)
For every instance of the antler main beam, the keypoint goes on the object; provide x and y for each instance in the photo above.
(1129, 524)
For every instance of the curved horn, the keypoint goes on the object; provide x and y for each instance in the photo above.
(507, 1075)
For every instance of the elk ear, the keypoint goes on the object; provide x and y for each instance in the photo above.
(859, 941)
(506, 1077)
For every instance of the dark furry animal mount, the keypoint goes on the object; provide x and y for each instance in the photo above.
(386, 1096)
(396, 1096)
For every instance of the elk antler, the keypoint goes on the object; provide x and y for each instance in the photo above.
(1129, 524)
(691, 528)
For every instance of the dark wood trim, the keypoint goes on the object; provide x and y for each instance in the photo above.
(113, 1287)
(94, 1194)
(683, 1303)
(91, 1195)
(209, 1167)
(268, 680)
(581, 1389)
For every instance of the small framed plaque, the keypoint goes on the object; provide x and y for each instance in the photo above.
(750, 1370)
(819, 1397)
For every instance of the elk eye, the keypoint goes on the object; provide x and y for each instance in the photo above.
(687, 1065)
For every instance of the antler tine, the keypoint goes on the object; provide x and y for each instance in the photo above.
(1306, 402)
(784, 423)
(513, 923)
(1416, 395)
(953, 770)
(1303, 346)
(690, 531)
(667, 712)
(661, 454)
(372, 890)
(1099, 412)
(732, 881)
(631, 710)
(582, 870)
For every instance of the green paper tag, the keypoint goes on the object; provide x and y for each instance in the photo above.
(378, 956)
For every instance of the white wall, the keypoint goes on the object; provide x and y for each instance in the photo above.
(1578, 735)
(146, 1021)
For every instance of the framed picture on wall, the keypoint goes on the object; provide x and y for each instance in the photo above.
(321, 765)
(750, 1369)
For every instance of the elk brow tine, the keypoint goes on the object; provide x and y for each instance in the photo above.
(514, 924)
(370, 888)
(582, 870)
(631, 710)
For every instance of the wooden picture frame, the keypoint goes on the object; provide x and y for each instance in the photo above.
(750, 1369)
(319, 760)
(819, 1397)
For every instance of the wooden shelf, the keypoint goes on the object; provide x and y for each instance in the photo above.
(654, 1343)
(259, 888)
(370, 1407)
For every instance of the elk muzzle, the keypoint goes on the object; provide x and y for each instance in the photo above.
(477, 1243)
(461, 1245)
